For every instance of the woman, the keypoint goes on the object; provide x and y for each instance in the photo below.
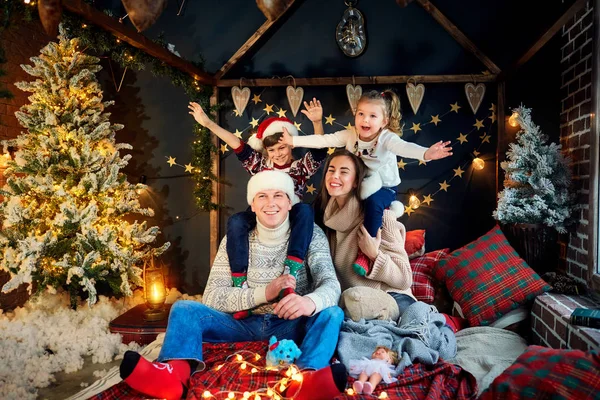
(339, 212)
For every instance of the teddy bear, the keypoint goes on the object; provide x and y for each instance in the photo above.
(282, 353)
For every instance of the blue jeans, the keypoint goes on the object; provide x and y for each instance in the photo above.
(403, 301)
(240, 224)
(374, 205)
(191, 323)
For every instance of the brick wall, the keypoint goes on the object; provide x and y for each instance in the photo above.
(20, 41)
(575, 130)
(550, 323)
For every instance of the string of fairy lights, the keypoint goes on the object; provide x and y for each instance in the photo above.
(245, 362)
(414, 202)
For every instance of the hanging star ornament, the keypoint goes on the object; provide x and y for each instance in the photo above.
(408, 210)
(237, 113)
(462, 138)
(171, 161)
(349, 126)
(329, 120)
(224, 148)
(493, 117)
(478, 123)
(281, 113)
(416, 127)
(256, 99)
(492, 108)
(476, 153)
(486, 138)
(298, 125)
(427, 200)
(268, 109)
(189, 168)
(330, 150)
(401, 164)
(238, 134)
(254, 122)
(422, 162)
(435, 119)
(458, 172)
(455, 107)
(310, 189)
(444, 186)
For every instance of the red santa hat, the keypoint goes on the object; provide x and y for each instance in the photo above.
(269, 127)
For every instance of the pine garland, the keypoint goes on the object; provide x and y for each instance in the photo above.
(99, 41)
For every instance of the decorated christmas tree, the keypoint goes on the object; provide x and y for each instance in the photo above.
(538, 180)
(67, 209)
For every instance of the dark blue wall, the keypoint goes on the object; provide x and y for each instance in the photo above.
(401, 41)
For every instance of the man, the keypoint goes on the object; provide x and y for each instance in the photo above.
(309, 316)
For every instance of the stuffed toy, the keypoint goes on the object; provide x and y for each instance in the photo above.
(368, 303)
(282, 352)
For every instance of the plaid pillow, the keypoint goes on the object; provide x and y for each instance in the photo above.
(487, 278)
(544, 373)
(422, 268)
(414, 244)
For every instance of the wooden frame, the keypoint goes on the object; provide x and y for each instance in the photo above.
(594, 201)
(136, 40)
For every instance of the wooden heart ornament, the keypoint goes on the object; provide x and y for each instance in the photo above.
(353, 92)
(294, 96)
(143, 13)
(415, 95)
(475, 95)
(240, 98)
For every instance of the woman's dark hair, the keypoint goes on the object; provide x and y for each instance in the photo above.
(323, 196)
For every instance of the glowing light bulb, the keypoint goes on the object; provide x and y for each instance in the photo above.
(350, 392)
(414, 202)
(246, 395)
(231, 395)
(206, 394)
(239, 357)
(253, 370)
(257, 397)
(257, 357)
(269, 392)
(512, 121)
(383, 395)
(478, 163)
(243, 366)
(27, 1)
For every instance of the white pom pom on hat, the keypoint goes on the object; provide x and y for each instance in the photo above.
(269, 127)
(271, 180)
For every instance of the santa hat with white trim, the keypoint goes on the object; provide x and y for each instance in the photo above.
(271, 180)
(269, 127)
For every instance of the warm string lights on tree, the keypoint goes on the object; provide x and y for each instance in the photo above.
(66, 203)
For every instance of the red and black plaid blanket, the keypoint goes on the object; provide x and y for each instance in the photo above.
(224, 374)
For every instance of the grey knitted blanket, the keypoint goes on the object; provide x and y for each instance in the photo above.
(421, 337)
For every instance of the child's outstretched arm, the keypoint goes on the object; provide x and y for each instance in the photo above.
(438, 151)
(203, 119)
(337, 139)
(314, 112)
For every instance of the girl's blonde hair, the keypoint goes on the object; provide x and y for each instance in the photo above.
(391, 106)
(392, 353)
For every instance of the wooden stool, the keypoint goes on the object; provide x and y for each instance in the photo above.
(132, 326)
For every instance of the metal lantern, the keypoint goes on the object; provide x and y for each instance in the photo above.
(154, 292)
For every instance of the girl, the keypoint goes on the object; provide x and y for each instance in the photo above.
(374, 141)
(369, 372)
(265, 152)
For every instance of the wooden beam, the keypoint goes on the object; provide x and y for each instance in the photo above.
(135, 39)
(215, 215)
(460, 37)
(358, 80)
(251, 42)
(545, 38)
(403, 3)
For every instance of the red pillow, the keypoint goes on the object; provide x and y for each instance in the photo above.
(487, 278)
(422, 270)
(544, 373)
(415, 243)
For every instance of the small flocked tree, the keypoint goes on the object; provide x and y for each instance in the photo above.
(65, 201)
(537, 182)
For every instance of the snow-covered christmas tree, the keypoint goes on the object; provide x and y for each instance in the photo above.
(538, 180)
(65, 203)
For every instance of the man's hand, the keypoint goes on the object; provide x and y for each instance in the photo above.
(294, 306)
(278, 284)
